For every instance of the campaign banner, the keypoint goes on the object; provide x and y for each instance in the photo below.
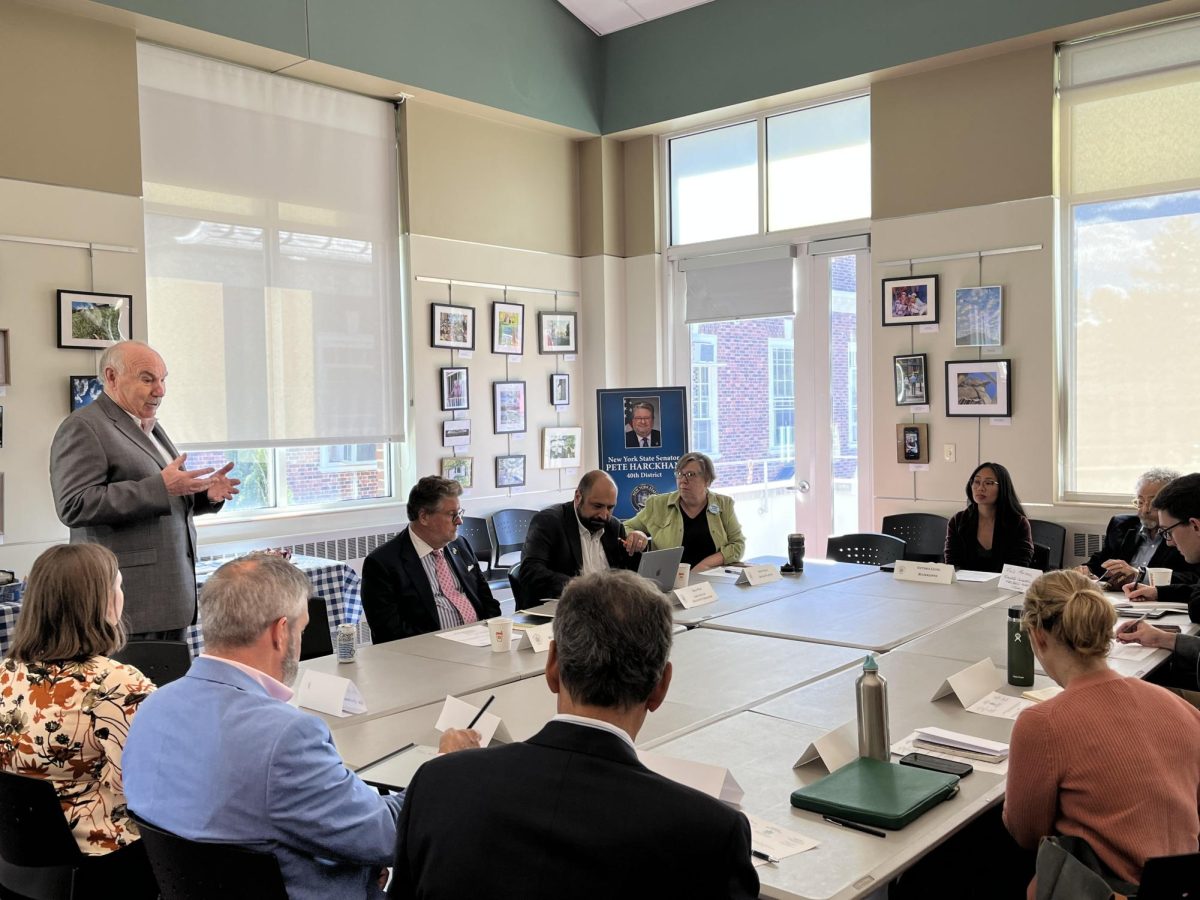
(643, 432)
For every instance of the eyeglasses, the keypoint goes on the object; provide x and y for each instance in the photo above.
(1166, 531)
(455, 514)
(988, 484)
(686, 476)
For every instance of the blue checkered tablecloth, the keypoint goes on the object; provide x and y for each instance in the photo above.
(335, 581)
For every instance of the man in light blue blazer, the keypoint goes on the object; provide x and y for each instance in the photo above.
(219, 755)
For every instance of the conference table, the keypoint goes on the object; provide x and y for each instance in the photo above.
(755, 681)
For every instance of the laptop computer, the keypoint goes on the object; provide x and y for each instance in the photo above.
(661, 566)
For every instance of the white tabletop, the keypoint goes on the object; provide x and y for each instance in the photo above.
(961, 593)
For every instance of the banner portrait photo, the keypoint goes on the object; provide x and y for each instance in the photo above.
(642, 434)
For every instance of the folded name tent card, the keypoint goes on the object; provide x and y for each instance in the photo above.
(537, 638)
(833, 749)
(975, 687)
(756, 575)
(695, 595)
(927, 572)
(715, 781)
(330, 694)
(459, 713)
(1017, 578)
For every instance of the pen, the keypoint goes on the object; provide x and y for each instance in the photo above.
(482, 710)
(758, 854)
(854, 826)
(385, 757)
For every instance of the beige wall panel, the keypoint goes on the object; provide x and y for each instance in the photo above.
(591, 197)
(641, 197)
(1026, 446)
(644, 363)
(613, 156)
(470, 179)
(965, 135)
(68, 101)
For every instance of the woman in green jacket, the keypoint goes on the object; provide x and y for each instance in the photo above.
(703, 522)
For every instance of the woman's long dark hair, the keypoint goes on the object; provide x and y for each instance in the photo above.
(1009, 510)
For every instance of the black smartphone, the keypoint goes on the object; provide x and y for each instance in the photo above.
(937, 764)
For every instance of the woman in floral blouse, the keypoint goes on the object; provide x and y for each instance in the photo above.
(65, 707)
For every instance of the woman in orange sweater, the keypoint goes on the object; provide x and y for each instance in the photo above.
(1112, 760)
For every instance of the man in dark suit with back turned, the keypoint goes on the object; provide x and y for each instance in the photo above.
(119, 481)
(571, 812)
(574, 538)
(426, 578)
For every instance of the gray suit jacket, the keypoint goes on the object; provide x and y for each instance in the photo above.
(106, 476)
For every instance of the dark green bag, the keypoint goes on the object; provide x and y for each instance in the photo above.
(876, 793)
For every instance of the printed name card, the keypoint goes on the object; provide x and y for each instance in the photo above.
(756, 575)
(695, 595)
(1017, 578)
(538, 638)
(972, 683)
(715, 781)
(330, 694)
(833, 749)
(459, 713)
(927, 572)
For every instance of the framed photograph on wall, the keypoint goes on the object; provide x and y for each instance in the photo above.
(84, 390)
(455, 388)
(912, 385)
(910, 301)
(558, 332)
(93, 321)
(979, 387)
(4, 382)
(977, 316)
(456, 432)
(912, 443)
(508, 407)
(562, 448)
(510, 471)
(451, 327)
(508, 328)
(560, 389)
(459, 468)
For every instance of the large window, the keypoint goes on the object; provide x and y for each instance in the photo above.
(704, 392)
(714, 184)
(781, 373)
(273, 277)
(1132, 215)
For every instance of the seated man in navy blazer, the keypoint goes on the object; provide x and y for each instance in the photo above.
(575, 538)
(219, 755)
(571, 812)
(426, 578)
(1133, 542)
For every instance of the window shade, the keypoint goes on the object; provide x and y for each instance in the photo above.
(272, 256)
(739, 286)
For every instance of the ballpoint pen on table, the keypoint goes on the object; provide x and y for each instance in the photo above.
(482, 710)
(854, 826)
(386, 756)
(758, 854)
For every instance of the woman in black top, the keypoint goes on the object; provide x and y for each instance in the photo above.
(993, 530)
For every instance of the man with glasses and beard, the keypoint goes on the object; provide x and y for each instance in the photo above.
(579, 537)
(426, 578)
(220, 755)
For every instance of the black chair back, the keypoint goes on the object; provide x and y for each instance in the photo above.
(38, 854)
(475, 530)
(1171, 878)
(160, 661)
(510, 526)
(202, 870)
(317, 639)
(1041, 557)
(514, 581)
(924, 534)
(1054, 537)
(866, 549)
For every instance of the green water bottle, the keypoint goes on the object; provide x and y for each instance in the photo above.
(1020, 651)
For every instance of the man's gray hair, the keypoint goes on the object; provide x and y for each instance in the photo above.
(643, 404)
(612, 633)
(1159, 476)
(114, 357)
(243, 597)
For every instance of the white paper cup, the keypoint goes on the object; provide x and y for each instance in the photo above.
(1158, 577)
(500, 631)
(681, 576)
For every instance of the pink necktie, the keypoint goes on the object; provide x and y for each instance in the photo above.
(450, 588)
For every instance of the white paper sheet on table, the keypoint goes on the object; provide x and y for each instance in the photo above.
(1003, 706)
(472, 635)
(972, 575)
(904, 746)
(459, 713)
(771, 839)
(1133, 652)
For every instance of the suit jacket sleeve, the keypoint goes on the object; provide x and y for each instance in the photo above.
(614, 551)
(382, 589)
(743, 880)
(544, 542)
(1114, 536)
(83, 495)
(323, 807)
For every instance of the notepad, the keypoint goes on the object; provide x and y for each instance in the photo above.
(1040, 694)
(957, 744)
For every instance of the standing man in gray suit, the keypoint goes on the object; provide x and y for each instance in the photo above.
(119, 481)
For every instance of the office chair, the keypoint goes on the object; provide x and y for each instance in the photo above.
(865, 549)
(924, 534)
(160, 661)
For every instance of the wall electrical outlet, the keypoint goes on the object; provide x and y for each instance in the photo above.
(948, 452)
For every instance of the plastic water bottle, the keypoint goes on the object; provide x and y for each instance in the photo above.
(874, 738)
(345, 647)
(1020, 650)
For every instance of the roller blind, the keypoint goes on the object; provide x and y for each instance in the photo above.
(272, 255)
